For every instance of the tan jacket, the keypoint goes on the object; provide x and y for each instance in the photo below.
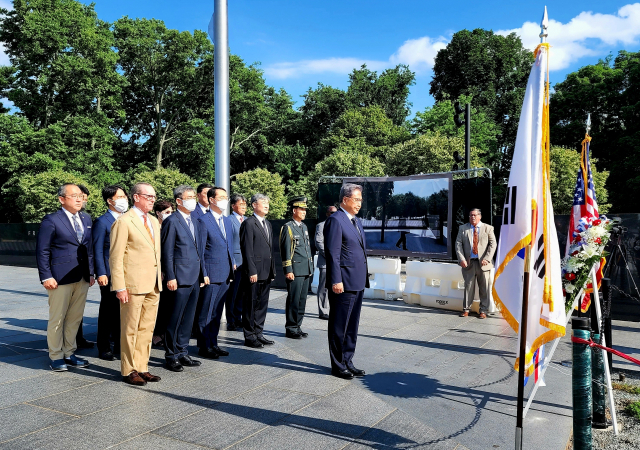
(134, 257)
(486, 244)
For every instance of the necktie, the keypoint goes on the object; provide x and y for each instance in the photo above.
(76, 226)
(146, 225)
(241, 219)
(475, 241)
(193, 234)
(353, 221)
(266, 230)
(221, 224)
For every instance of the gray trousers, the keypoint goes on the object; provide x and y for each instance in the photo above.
(473, 273)
(323, 293)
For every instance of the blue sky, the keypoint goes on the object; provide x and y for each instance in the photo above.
(300, 43)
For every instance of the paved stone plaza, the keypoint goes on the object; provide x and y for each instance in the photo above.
(434, 380)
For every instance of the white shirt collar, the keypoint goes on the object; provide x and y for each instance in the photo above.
(216, 215)
(138, 211)
(237, 216)
(477, 226)
(115, 214)
(184, 216)
(261, 219)
(204, 210)
(71, 216)
(350, 216)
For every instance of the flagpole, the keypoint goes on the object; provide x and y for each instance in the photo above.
(525, 302)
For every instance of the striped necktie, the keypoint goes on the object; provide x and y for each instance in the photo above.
(76, 226)
(146, 225)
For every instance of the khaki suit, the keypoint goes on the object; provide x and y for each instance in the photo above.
(475, 271)
(135, 265)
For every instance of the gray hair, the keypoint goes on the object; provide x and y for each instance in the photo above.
(180, 190)
(476, 209)
(235, 198)
(255, 198)
(348, 189)
(136, 188)
(62, 190)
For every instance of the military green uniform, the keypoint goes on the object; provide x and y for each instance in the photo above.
(297, 258)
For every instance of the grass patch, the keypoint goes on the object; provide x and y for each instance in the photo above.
(626, 388)
(633, 409)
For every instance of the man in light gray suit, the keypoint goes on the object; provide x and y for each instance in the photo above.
(475, 246)
(323, 297)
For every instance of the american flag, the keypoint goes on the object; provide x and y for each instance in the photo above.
(584, 205)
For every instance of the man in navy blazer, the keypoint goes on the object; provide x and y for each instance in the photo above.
(64, 254)
(203, 201)
(345, 249)
(115, 197)
(216, 233)
(184, 270)
(233, 300)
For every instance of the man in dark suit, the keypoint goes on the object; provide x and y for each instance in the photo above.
(203, 201)
(345, 249)
(233, 301)
(115, 197)
(184, 270)
(64, 254)
(256, 240)
(323, 297)
(216, 233)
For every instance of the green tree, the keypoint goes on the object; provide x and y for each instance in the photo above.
(322, 107)
(35, 195)
(389, 90)
(493, 70)
(429, 153)
(264, 182)
(164, 181)
(565, 164)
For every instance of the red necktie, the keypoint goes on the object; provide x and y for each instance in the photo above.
(475, 241)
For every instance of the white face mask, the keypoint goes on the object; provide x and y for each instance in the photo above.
(222, 204)
(121, 205)
(189, 205)
(163, 217)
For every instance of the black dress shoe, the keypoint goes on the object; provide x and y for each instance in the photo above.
(107, 356)
(174, 366)
(207, 353)
(187, 361)
(303, 334)
(219, 351)
(292, 335)
(253, 344)
(324, 316)
(356, 372)
(265, 341)
(344, 374)
(83, 343)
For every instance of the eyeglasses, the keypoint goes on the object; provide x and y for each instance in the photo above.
(75, 196)
(355, 200)
(189, 198)
(148, 197)
(474, 215)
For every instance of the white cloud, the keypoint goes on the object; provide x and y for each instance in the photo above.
(587, 34)
(419, 53)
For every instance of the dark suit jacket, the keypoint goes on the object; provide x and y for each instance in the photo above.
(237, 252)
(346, 253)
(197, 213)
(182, 255)
(218, 251)
(101, 242)
(319, 238)
(256, 249)
(59, 254)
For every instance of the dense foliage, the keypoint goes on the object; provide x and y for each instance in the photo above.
(99, 103)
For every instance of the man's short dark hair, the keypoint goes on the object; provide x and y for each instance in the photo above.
(235, 198)
(214, 190)
(348, 189)
(476, 209)
(62, 190)
(84, 189)
(203, 186)
(161, 205)
(110, 191)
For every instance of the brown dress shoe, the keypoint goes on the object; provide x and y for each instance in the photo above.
(464, 314)
(482, 316)
(134, 378)
(146, 376)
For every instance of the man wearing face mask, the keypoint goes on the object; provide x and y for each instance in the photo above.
(184, 271)
(216, 234)
(115, 197)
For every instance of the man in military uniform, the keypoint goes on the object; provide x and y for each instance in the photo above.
(297, 261)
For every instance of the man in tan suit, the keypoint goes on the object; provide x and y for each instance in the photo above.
(475, 246)
(134, 258)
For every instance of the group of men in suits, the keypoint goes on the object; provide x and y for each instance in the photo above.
(203, 260)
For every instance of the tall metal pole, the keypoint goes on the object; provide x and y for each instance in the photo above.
(221, 92)
(467, 137)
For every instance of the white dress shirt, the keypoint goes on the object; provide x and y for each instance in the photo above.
(204, 210)
(219, 222)
(141, 214)
(473, 230)
(115, 214)
(71, 216)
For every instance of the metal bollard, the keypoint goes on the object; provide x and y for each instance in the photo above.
(599, 419)
(581, 385)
